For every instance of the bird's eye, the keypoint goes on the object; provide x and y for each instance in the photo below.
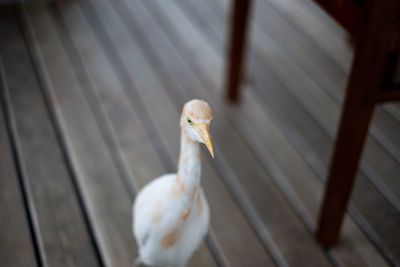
(189, 121)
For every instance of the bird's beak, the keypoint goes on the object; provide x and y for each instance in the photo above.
(202, 128)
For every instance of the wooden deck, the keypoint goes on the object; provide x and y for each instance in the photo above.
(91, 92)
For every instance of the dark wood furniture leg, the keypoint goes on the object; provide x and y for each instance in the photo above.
(361, 97)
(353, 129)
(239, 22)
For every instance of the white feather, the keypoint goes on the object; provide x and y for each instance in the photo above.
(158, 212)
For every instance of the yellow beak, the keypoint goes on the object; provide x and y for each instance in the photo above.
(203, 130)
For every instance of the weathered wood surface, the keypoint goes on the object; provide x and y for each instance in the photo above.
(370, 191)
(108, 80)
(243, 164)
(107, 201)
(16, 242)
(259, 123)
(273, 70)
(61, 224)
(148, 88)
(120, 117)
(18, 246)
(213, 57)
(325, 108)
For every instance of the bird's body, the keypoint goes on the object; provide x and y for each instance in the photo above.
(166, 239)
(171, 214)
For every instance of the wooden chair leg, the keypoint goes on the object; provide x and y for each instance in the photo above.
(237, 41)
(344, 166)
(362, 94)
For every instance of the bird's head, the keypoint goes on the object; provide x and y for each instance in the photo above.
(195, 120)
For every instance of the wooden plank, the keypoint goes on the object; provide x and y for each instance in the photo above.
(321, 105)
(359, 240)
(259, 190)
(386, 128)
(394, 109)
(66, 240)
(325, 20)
(16, 243)
(312, 22)
(374, 154)
(321, 69)
(379, 166)
(321, 145)
(24, 223)
(301, 49)
(225, 215)
(330, 53)
(261, 73)
(120, 117)
(105, 198)
(331, 79)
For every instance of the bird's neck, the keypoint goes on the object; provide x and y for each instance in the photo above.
(189, 166)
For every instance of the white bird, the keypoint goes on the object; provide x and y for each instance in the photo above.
(171, 214)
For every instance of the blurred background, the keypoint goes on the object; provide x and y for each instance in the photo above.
(91, 93)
